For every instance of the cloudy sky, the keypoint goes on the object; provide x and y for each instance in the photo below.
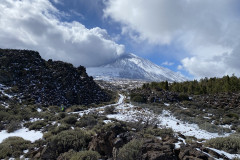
(198, 38)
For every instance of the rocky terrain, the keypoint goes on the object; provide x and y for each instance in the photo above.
(148, 122)
(47, 82)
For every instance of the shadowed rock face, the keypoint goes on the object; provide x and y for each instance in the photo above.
(47, 82)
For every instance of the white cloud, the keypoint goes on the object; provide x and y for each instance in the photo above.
(207, 30)
(166, 63)
(36, 25)
(180, 67)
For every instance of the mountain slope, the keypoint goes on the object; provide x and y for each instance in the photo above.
(130, 66)
(47, 82)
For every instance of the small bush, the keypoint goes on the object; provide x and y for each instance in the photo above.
(86, 155)
(62, 115)
(183, 97)
(139, 99)
(13, 147)
(70, 120)
(37, 125)
(87, 121)
(212, 128)
(229, 144)
(159, 132)
(13, 126)
(61, 128)
(3, 115)
(131, 151)
(71, 139)
(109, 110)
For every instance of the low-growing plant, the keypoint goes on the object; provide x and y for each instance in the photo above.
(70, 120)
(86, 155)
(109, 109)
(159, 132)
(61, 128)
(131, 151)
(13, 147)
(230, 144)
(213, 128)
(37, 125)
(62, 115)
(71, 139)
(87, 121)
(13, 126)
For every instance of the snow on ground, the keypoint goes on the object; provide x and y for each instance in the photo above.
(185, 128)
(130, 113)
(39, 110)
(35, 119)
(24, 133)
(100, 109)
(230, 156)
(2, 89)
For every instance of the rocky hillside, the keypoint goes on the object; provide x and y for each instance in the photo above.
(47, 82)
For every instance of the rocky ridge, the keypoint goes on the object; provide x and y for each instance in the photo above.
(47, 82)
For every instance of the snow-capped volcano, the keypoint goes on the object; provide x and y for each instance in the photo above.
(130, 66)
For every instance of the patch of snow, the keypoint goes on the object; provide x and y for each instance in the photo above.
(206, 153)
(24, 133)
(177, 145)
(35, 119)
(185, 128)
(39, 110)
(26, 151)
(107, 121)
(130, 113)
(166, 104)
(230, 156)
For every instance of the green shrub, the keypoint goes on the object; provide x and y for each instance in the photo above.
(232, 115)
(71, 139)
(62, 115)
(212, 128)
(86, 155)
(159, 132)
(3, 115)
(131, 151)
(109, 109)
(70, 120)
(183, 97)
(54, 109)
(61, 128)
(13, 126)
(138, 98)
(37, 125)
(87, 121)
(13, 147)
(230, 144)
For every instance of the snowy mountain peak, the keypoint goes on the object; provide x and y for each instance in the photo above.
(130, 66)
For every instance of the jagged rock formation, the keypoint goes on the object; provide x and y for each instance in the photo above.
(47, 82)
